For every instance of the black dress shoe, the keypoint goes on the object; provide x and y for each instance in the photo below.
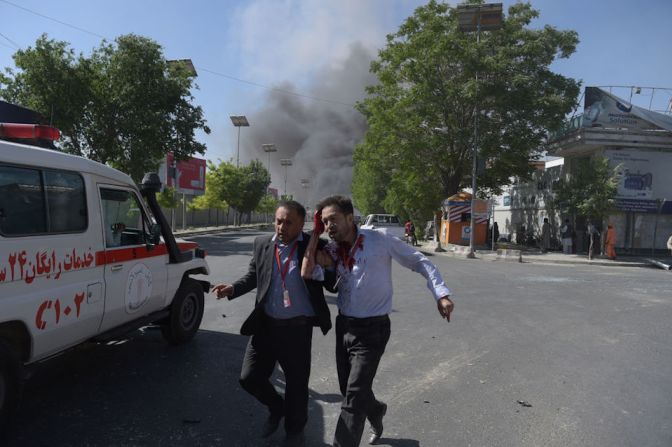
(295, 440)
(377, 425)
(271, 424)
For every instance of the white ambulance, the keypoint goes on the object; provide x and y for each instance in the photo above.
(83, 257)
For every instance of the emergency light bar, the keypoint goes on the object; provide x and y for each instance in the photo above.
(29, 132)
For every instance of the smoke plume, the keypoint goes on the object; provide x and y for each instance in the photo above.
(318, 136)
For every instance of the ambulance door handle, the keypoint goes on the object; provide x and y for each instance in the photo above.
(116, 268)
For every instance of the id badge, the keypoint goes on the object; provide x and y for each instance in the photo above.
(285, 298)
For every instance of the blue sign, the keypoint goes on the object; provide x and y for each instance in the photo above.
(643, 206)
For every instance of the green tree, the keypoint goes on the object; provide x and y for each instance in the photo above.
(167, 199)
(267, 205)
(421, 113)
(241, 187)
(124, 105)
(589, 189)
(211, 198)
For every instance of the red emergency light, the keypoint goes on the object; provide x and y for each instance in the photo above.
(29, 132)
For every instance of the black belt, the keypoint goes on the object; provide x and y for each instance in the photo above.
(361, 322)
(295, 321)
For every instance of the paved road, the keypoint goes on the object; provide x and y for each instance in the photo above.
(587, 347)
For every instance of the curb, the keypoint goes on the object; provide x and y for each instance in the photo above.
(213, 230)
(516, 256)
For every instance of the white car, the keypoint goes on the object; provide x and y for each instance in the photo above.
(84, 255)
(386, 223)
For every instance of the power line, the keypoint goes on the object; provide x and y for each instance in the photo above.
(11, 41)
(223, 75)
(275, 89)
(53, 19)
(7, 46)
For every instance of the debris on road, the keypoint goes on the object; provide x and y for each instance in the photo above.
(524, 403)
(191, 421)
(660, 264)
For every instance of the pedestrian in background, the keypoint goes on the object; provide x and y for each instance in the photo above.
(545, 236)
(610, 242)
(281, 324)
(566, 234)
(593, 237)
(362, 260)
(414, 240)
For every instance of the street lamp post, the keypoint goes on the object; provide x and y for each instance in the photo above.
(188, 67)
(305, 183)
(285, 162)
(268, 148)
(239, 121)
(485, 17)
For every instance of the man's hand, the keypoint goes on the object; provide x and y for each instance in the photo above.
(223, 290)
(324, 259)
(445, 307)
(318, 225)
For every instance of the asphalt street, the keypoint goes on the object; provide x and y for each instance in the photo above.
(535, 355)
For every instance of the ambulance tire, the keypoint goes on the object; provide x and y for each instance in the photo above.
(9, 384)
(186, 312)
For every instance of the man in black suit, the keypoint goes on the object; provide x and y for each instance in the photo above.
(281, 325)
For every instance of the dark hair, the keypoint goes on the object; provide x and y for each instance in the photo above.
(344, 204)
(294, 205)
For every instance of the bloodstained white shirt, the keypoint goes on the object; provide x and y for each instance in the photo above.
(366, 291)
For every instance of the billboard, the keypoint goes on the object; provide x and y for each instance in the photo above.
(602, 109)
(643, 178)
(189, 175)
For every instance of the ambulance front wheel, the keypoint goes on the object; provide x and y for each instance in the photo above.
(9, 384)
(186, 313)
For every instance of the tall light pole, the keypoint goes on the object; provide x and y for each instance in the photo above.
(485, 17)
(239, 121)
(268, 148)
(187, 66)
(305, 183)
(285, 162)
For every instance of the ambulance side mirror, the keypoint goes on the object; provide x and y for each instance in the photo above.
(151, 184)
(155, 234)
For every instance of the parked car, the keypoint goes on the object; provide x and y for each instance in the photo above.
(387, 223)
(429, 230)
(84, 255)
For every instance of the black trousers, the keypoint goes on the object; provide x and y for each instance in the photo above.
(360, 343)
(289, 346)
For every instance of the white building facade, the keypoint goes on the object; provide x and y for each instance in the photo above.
(637, 140)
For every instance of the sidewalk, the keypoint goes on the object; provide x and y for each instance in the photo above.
(191, 231)
(512, 254)
(528, 255)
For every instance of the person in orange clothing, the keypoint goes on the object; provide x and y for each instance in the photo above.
(610, 242)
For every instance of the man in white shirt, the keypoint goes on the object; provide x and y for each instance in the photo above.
(361, 260)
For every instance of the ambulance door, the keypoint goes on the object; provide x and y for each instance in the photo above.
(49, 237)
(135, 271)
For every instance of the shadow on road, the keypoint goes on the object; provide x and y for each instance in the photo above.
(398, 442)
(225, 245)
(142, 392)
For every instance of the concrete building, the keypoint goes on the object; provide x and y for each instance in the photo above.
(637, 140)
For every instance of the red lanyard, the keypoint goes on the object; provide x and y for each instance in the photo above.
(348, 257)
(283, 272)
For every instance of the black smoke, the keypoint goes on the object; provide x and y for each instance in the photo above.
(319, 136)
